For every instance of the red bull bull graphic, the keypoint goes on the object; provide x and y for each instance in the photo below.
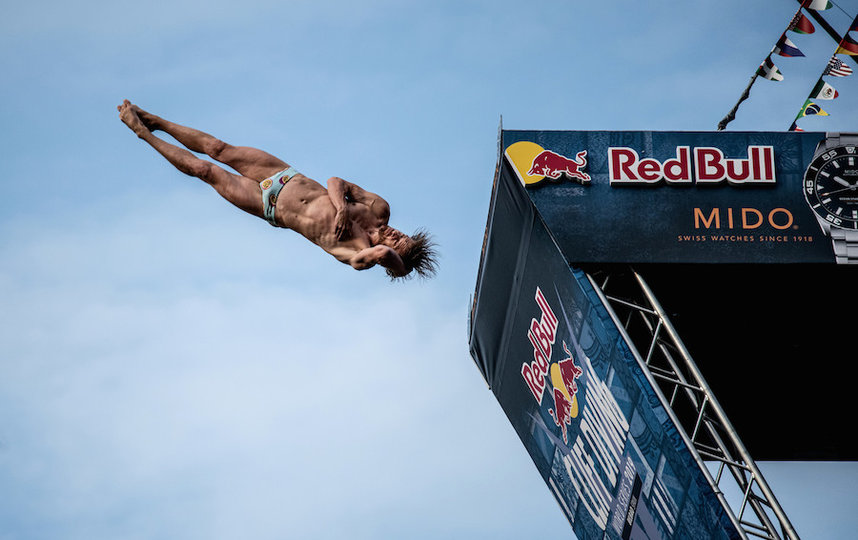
(536, 164)
(552, 165)
(562, 412)
(563, 375)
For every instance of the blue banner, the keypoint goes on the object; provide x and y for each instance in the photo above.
(723, 197)
(590, 419)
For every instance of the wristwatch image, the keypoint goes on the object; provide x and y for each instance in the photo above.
(831, 190)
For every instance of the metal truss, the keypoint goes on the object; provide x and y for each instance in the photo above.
(752, 506)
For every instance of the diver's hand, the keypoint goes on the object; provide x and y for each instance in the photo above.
(341, 222)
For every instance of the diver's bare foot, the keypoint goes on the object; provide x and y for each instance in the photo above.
(149, 120)
(130, 118)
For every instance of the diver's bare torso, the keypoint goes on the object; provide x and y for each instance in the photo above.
(305, 206)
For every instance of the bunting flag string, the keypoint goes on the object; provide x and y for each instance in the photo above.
(783, 47)
(834, 68)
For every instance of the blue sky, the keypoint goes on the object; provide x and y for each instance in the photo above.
(171, 367)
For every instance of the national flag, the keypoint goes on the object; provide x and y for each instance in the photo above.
(836, 68)
(823, 90)
(810, 109)
(785, 47)
(847, 46)
(801, 24)
(818, 5)
(795, 127)
(769, 70)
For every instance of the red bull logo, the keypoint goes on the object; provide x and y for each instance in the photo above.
(534, 164)
(626, 167)
(562, 374)
(552, 165)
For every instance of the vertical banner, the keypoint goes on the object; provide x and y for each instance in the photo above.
(590, 419)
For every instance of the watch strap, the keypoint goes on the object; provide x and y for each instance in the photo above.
(845, 243)
(833, 140)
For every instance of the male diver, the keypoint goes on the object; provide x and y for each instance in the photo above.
(344, 219)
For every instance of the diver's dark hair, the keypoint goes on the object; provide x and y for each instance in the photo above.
(420, 256)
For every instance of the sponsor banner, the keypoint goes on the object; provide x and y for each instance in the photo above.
(583, 407)
(730, 197)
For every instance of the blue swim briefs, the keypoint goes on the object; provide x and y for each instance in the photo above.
(271, 187)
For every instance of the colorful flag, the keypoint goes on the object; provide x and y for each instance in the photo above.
(769, 70)
(818, 5)
(801, 24)
(836, 68)
(785, 47)
(810, 109)
(847, 46)
(795, 127)
(823, 90)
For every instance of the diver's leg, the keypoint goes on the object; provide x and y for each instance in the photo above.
(241, 191)
(250, 162)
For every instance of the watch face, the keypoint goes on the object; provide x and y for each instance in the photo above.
(831, 186)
